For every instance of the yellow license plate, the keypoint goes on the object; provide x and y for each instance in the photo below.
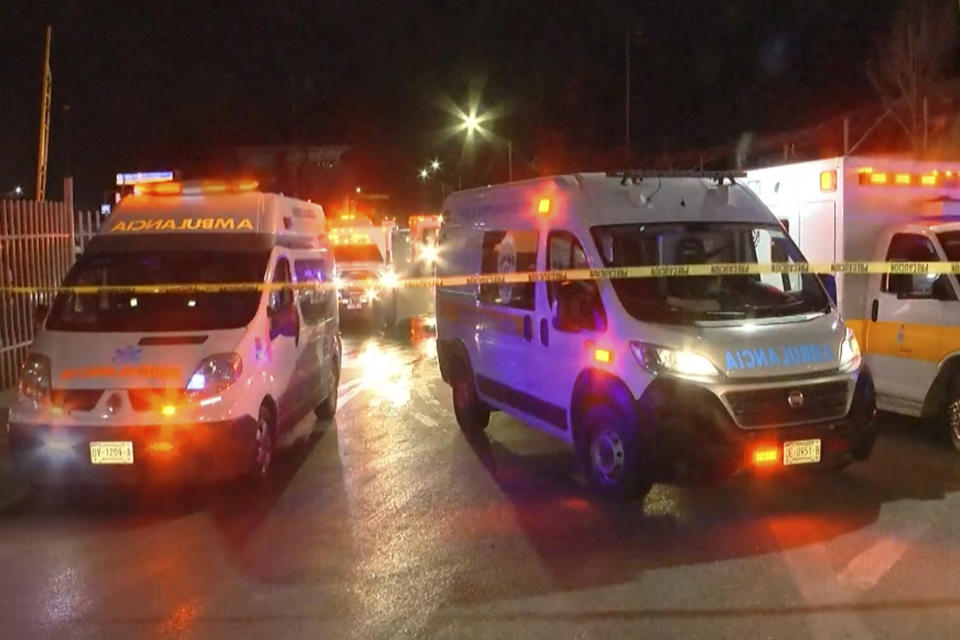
(111, 452)
(801, 452)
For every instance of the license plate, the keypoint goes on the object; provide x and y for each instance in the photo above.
(801, 452)
(353, 305)
(111, 452)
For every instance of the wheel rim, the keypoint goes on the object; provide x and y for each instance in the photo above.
(954, 415)
(264, 447)
(608, 455)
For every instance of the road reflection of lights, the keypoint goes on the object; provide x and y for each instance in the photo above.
(429, 348)
(182, 617)
(385, 374)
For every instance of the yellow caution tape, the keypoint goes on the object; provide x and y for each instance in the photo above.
(673, 271)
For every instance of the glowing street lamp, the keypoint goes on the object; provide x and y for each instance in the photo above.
(424, 174)
(435, 165)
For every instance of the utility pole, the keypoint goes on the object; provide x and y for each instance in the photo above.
(626, 106)
(43, 143)
(509, 161)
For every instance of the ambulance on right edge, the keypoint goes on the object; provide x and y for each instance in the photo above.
(849, 209)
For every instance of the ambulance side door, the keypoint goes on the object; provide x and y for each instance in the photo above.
(571, 316)
(504, 313)
(906, 313)
(285, 326)
(318, 322)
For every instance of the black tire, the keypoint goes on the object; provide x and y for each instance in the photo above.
(328, 408)
(952, 418)
(264, 446)
(472, 414)
(612, 455)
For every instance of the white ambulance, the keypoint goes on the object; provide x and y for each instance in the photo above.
(147, 383)
(646, 377)
(371, 262)
(885, 209)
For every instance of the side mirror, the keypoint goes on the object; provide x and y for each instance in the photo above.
(283, 321)
(40, 313)
(942, 289)
(830, 284)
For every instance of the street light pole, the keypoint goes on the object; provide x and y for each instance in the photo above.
(510, 160)
(626, 106)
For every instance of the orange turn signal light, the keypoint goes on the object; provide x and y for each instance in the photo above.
(160, 447)
(543, 206)
(603, 355)
(765, 456)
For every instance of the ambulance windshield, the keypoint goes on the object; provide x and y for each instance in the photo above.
(684, 298)
(180, 311)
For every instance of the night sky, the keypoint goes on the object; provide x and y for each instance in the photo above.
(166, 85)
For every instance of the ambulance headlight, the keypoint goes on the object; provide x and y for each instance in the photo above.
(214, 374)
(389, 280)
(849, 352)
(656, 359)
(430, 254)
(35, 378)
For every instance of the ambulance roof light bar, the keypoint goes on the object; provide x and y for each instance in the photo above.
(195, 187)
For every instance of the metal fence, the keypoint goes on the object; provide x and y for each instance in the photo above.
(36, 249)
(85, 227)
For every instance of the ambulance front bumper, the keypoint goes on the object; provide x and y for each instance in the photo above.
(162, 454)
(690, 424)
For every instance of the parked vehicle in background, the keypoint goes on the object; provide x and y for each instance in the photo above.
(885, 210)
(372, 260)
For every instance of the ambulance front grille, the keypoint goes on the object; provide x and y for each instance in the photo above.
(822, 401)
(76, 399)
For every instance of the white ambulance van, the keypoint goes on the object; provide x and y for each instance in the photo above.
(158, 384)
(883, 209)
(647, 376)
(371, 262)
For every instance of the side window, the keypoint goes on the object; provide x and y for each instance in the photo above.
(769, 247)
(509, 252)
(913, 247)
(564, 251)
(281, 274)
(313, 302)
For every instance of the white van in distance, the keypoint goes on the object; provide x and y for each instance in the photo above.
(883, 209)
(647, 376)
(190, 384)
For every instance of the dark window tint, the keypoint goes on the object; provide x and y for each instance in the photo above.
(564, 251)
(910, 247)
(187, 311)
(281, 274)
(509, 252)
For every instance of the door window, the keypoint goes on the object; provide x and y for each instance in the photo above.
(509, 252)
(913, 247)
(281, 274)
(581, 297)
(314, 303)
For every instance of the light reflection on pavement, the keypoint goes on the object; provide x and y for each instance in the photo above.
(388, 523)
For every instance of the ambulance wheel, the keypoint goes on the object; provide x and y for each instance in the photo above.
(328, 408)
(953, 413)
(264, 446)
(472, 414)
(611, 454)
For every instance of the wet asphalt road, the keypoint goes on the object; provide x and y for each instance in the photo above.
(388, 524)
